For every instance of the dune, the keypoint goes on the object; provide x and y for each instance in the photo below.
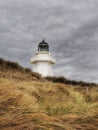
(31, 102)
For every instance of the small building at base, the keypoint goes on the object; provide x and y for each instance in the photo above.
(43, 60)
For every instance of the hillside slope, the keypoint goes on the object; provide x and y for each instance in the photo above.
(12, 70)
(32, 104)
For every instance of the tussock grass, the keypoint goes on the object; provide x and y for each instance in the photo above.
(45, 105)
(55, 99)
(29, 102)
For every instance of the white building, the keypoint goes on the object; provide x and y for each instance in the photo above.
(43, 61)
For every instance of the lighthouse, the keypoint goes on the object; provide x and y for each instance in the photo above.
(43, 60)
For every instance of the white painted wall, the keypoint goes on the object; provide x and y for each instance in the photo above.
(43, 68)
(42, 63)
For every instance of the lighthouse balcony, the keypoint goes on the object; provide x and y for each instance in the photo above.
(43, 57)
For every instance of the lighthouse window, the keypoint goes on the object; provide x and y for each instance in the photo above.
(44, 49)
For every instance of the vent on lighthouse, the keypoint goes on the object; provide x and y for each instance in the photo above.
(43, 61)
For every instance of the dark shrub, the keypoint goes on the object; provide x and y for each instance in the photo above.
(8, 65)
(28, 70)
(70, 82)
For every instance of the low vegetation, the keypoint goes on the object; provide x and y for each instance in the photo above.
(12, 70)
(28, 102)
(70, 82)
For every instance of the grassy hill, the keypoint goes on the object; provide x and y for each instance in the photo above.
(30, 102)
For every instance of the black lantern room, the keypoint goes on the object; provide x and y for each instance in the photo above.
(43, 46)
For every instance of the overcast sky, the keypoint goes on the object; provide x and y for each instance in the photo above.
(69, 26)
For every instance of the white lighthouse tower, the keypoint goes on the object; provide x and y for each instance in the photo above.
(43, 61)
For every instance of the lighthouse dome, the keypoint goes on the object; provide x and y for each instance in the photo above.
(43, 46)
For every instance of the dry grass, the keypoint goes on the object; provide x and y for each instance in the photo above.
(29, 102)
(32, 105)
(12, 70)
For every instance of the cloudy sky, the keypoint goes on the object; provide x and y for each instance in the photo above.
(69, 26)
